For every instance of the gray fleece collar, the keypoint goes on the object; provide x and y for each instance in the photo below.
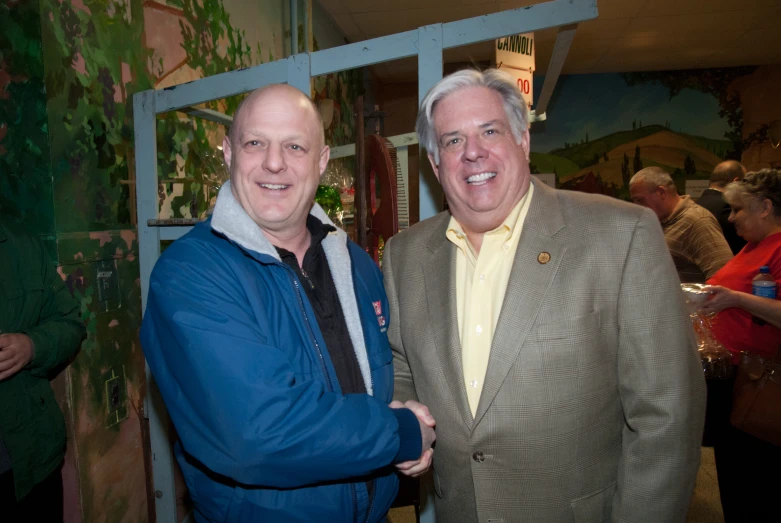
(230, 219)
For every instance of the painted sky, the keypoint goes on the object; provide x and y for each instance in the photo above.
(601, 104)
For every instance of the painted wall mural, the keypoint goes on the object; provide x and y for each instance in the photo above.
(190, 165)
(66, 156)
(24, 138)
(603, 128)
(68, 70)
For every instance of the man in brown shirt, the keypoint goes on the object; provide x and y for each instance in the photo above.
(693, 235)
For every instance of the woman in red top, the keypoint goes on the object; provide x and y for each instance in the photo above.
(747, 322)
(750, 323)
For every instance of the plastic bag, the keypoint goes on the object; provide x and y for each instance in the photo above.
(715, 357)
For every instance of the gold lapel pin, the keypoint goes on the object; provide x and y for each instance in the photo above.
(543, 257)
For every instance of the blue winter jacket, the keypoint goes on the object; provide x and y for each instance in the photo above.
(265, 434)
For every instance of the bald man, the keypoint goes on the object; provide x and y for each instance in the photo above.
(265, 330)
(713, 200)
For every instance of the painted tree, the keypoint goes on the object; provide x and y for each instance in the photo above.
(626, 175)
(689, 167)
(637, 162)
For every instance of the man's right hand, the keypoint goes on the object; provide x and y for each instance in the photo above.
(16, 350)
(428, 437)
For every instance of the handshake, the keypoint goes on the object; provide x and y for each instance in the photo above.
(428, 437)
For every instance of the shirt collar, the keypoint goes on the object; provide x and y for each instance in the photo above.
(684, 204)
(231, 220)
(509, 227)
(317, 231)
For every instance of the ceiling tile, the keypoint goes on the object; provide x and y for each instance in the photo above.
(628, 35)
(581, 66)
(505, 5)
(380, 6)
(602, 29)
(612, 9)
(769, 23)
(762, 48)
(390, 22)
(334, 7)
(582, 55)
(669, 31)
(348, 26)
(694, 7)
(675, 58)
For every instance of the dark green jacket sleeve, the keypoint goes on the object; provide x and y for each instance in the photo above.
(59, 330)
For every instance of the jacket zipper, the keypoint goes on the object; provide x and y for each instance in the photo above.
(308, 280)
(327, 377)
(371, 503)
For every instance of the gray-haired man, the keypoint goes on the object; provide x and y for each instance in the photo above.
(692, 234)
(544, 330)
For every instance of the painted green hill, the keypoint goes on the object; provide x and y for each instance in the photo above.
(717, 147)
(583, 154)
(676, 153)
(549, 163)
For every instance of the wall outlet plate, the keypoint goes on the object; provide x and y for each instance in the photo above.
(107, 284)
(115, 397)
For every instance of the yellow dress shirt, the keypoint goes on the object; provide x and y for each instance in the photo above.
(481, 280)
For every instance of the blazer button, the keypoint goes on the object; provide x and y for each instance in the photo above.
(478, 457)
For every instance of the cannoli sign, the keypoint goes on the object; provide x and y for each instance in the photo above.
(516, 51)
(515, 55)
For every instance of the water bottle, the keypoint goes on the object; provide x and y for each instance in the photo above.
(764, 285)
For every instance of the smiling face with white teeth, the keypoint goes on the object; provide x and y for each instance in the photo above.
(483, 169)
(276, 154)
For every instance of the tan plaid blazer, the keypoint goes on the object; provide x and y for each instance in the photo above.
(594, 398)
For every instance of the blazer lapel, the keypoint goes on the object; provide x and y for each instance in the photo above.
(530, 278)
(440, 269)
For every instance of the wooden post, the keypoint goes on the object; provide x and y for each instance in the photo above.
(360, 176)
(310, 42)
(310, 35)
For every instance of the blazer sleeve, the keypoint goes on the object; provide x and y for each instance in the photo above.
(234, 397)
(403, 386)
(661, 385)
